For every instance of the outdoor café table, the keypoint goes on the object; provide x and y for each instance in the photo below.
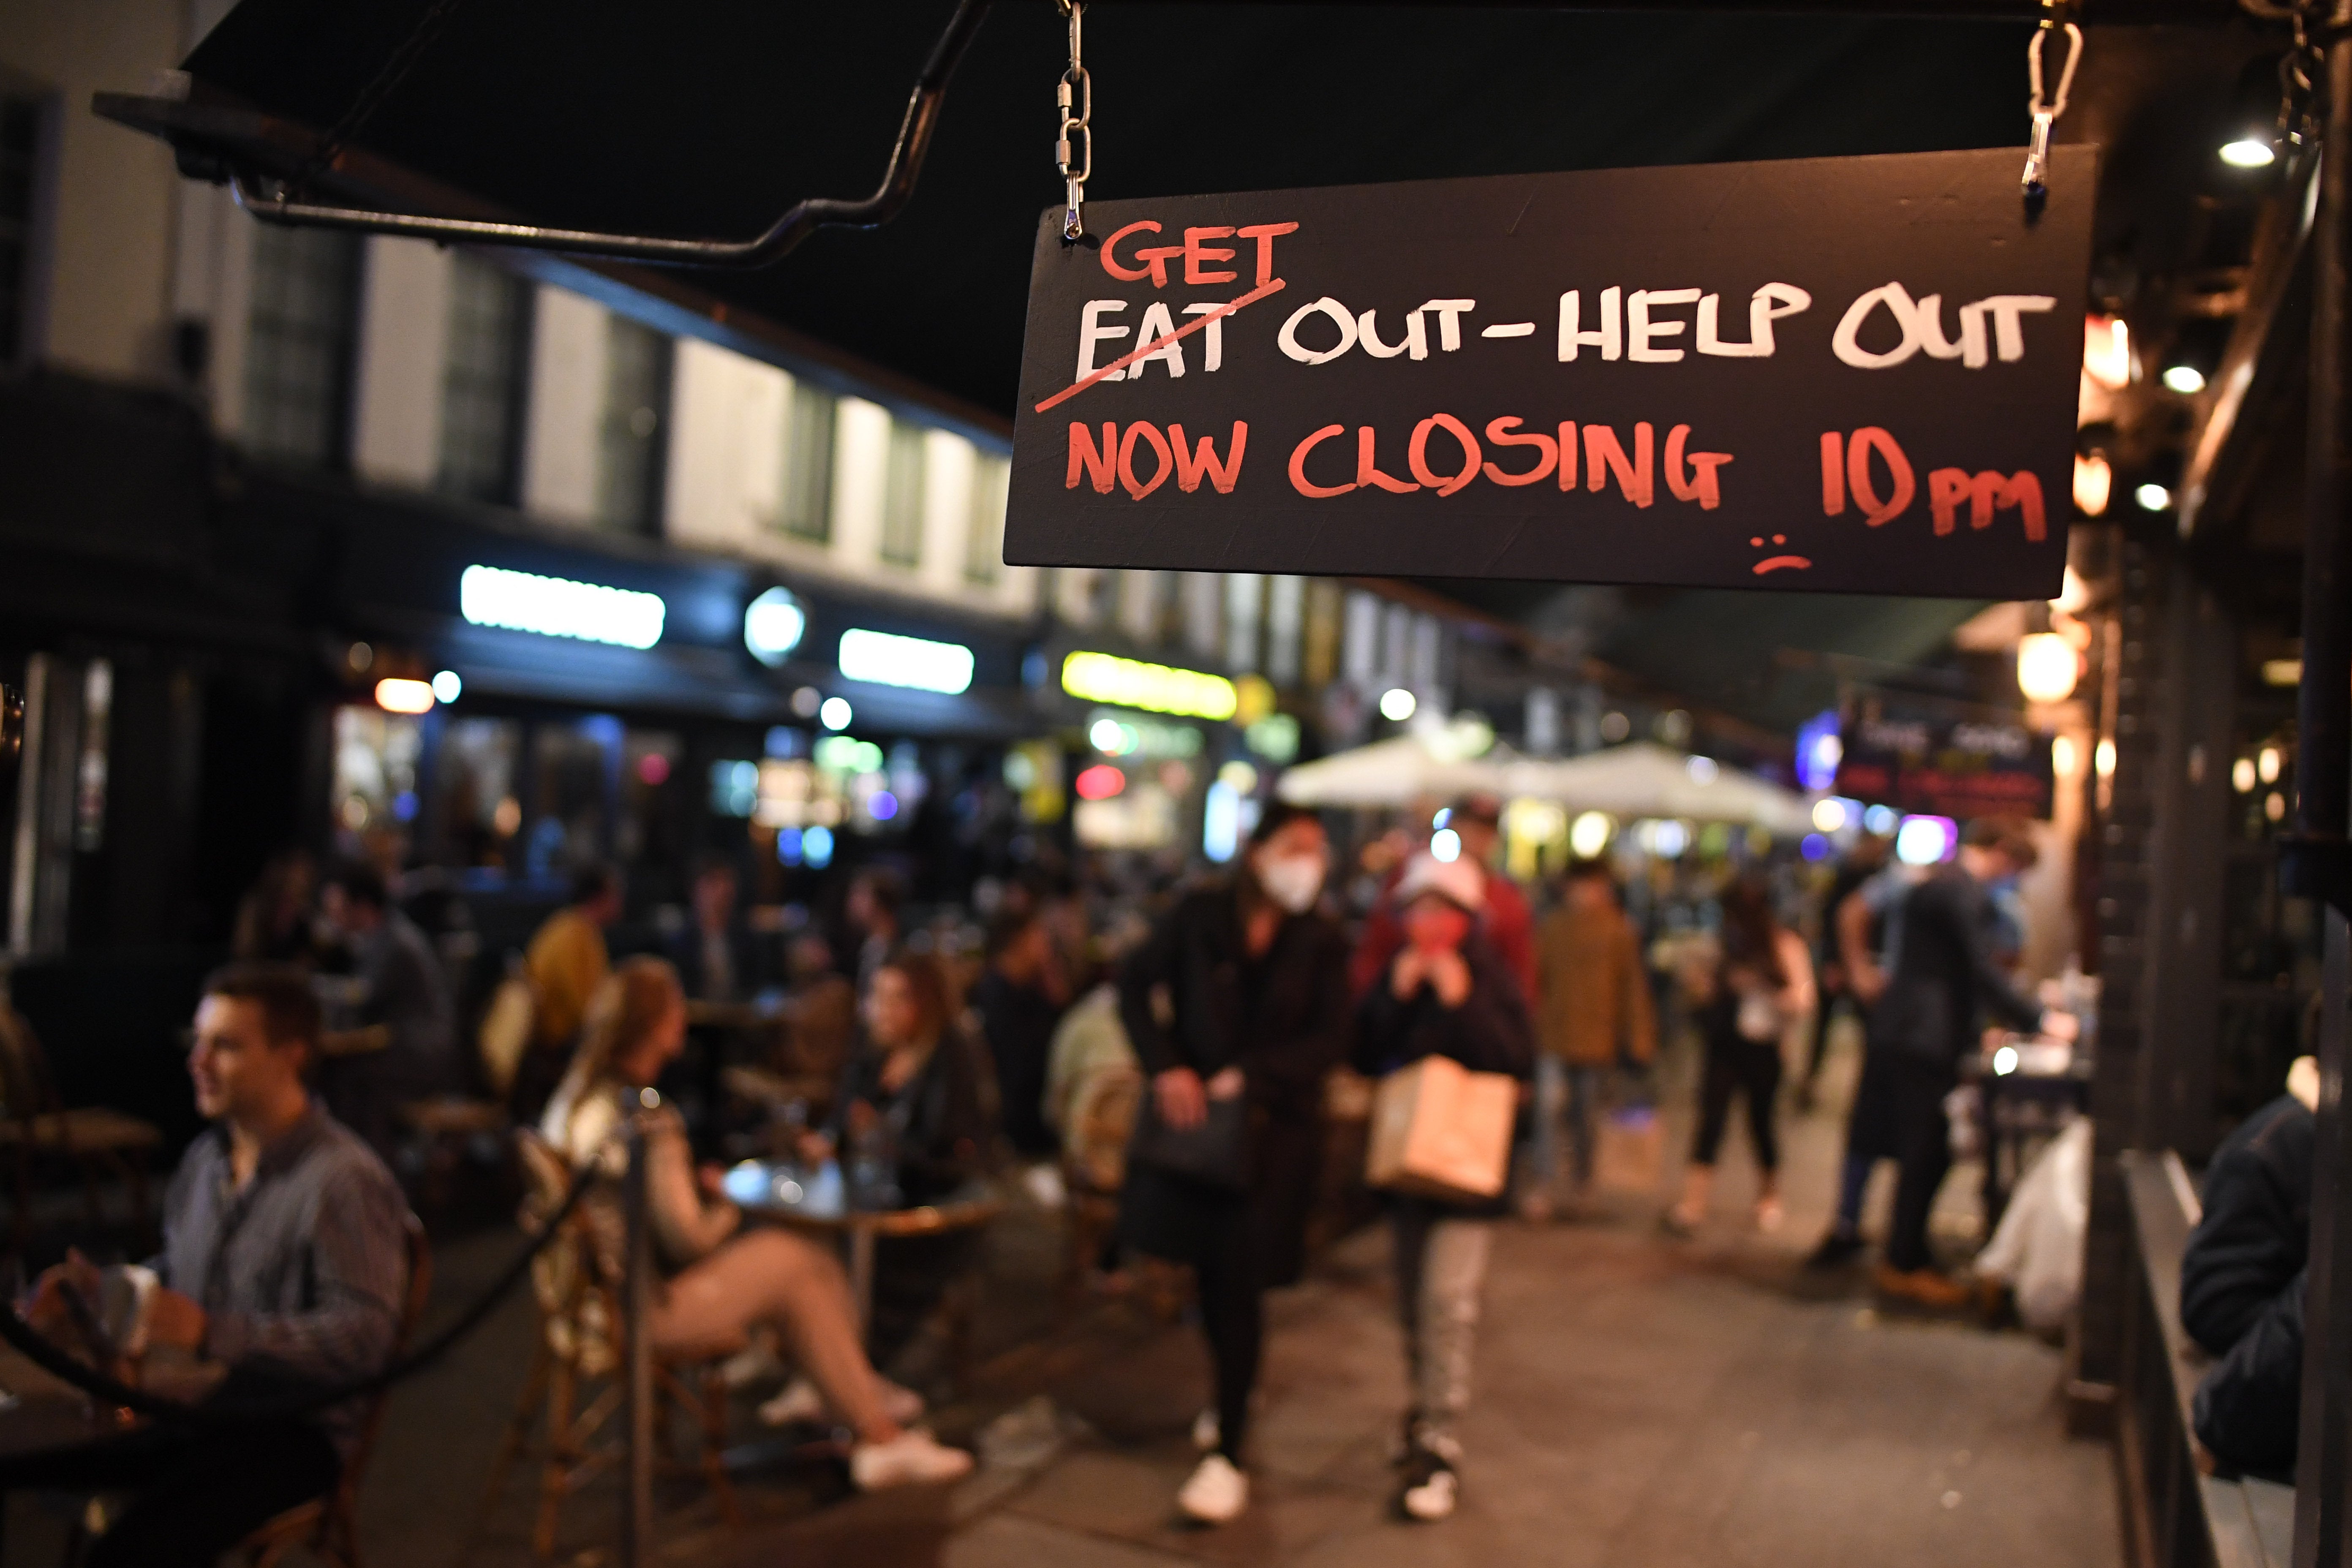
(818, 1200)
(2031, 1087)
(40, 1413)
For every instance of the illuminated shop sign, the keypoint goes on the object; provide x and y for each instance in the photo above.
(1155, 687)
(916, 662)
(558, 607)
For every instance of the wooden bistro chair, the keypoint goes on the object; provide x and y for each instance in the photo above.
(37, 1132)
(447, 1123)
(577, 1369)
(328, 1527)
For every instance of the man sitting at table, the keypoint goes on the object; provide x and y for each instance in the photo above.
(283, 1260)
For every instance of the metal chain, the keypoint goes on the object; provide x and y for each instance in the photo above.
(2301, 70)
(1076, 88)
(2035, 182)
(388, 75)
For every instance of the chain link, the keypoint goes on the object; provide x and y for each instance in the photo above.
(1075, 90)
(2036, 183)
(2301, 70)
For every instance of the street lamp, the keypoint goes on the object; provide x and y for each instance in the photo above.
(2047, 666)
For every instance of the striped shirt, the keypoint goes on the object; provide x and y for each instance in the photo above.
(301, 1273)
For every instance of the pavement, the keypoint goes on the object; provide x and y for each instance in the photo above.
(1641, 1403)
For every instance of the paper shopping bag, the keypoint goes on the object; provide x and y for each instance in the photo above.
(1440, 1131)
(1629, 1155)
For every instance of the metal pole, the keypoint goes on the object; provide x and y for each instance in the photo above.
(2316, 866)
(637, 1389)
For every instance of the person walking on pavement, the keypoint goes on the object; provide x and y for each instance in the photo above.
(1504, 919)
(1864, 861)
(1447, 994)
(1593, 1009)
(1923, 1018)
(1238, 1007)
(1868, 923)
(1758, 984)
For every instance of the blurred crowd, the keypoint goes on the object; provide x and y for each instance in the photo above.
(1179, 1055)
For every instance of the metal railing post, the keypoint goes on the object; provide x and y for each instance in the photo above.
(2316, 865)
(637, 1387)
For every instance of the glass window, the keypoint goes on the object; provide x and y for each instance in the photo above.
(807, 487)
(902, 495)
(482, 382)
(983, 557)
(1245, 591)
(300, 331)
(376, 758)
(20, 149)
(575, 784)
(630, 443)
(476, 813)
(1286, 604)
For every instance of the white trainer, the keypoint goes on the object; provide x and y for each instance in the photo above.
(1434, 1498)
(1216, 1494)
(1205, 1431)
(914, 1457)
(799, 1402)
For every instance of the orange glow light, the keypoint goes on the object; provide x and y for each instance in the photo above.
(405, 696)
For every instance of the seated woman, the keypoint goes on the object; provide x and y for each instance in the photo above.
(912, 1128)
(721, 1281)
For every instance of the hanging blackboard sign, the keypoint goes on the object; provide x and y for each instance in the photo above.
(1848, 373)
(1920, 755)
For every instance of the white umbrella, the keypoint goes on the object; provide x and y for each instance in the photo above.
(1443, 761)
(1642, 778)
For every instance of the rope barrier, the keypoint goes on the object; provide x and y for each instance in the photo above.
(45, 1354)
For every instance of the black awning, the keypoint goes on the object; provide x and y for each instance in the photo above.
(708, 118)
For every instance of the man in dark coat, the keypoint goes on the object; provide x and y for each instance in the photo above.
(2242, 1282)
(1240, 994)
(1923, 1019)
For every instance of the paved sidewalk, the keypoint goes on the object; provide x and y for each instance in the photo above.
(1642, 1402)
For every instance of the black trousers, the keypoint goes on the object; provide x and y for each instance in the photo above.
(1917, 1134)
(1738, 1066)
(197, 1490)
(1229, 1274)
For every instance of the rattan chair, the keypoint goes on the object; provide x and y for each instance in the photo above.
(574, 1386)
(37, 1131)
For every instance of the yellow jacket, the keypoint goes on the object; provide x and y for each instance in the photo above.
(1595, 992)
(566, 962)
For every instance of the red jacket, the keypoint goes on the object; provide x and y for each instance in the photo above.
(1509, 925)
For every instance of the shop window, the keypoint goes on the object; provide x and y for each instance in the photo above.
(475, 815)
(807, 489)
(21, 117)
(1319, 657)
(575, 785)
(630, 445)
(902, 495)
(1244, 593)
(376, 756)
(1284, 614)
(646, 841)
(983, 556)
(483, 381)
(301, 330)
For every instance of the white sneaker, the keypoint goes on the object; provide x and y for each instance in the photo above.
(1205, 1431)
(755, 1362)
(914, 1457)
(1216, 1494)
(800, 1401)
(1434, 1498)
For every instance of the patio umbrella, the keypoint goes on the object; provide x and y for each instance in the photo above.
(1643, 778)
(1454, 760)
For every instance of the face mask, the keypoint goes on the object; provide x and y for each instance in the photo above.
(1292, 881)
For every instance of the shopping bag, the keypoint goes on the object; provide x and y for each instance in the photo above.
(1630, 1154)
(1440, 1131)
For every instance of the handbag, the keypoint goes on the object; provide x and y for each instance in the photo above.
(1214, 1154)
(1442, 1132)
